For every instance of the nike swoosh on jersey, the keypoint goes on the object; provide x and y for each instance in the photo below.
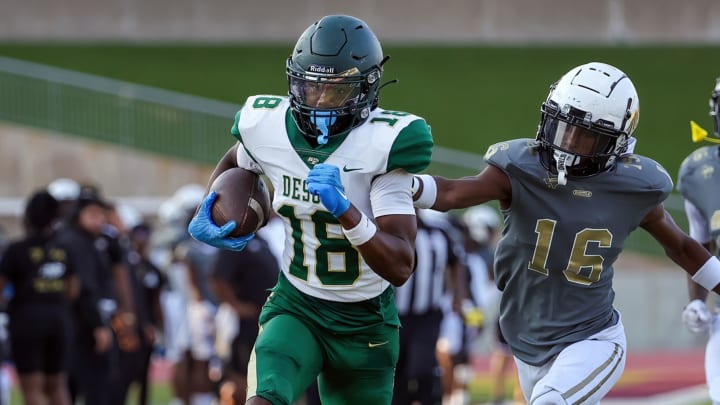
(371, 344)
(346, 169)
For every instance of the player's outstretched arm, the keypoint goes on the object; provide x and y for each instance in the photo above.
(682, 249)
(443, 194)
(390, 251)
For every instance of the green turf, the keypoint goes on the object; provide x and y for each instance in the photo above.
(159, 394)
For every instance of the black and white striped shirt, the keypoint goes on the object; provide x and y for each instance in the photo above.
(435, 251)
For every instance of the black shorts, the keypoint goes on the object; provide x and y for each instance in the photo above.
(39, 340)
(418, 338)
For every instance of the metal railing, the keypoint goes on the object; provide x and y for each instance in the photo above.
(147, 118)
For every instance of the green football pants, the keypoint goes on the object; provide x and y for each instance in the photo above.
(351, 369)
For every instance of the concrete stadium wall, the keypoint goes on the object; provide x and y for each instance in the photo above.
(32, 158)
(471, 21)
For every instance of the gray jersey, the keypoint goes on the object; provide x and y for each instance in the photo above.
(698, 181)
(554, 260)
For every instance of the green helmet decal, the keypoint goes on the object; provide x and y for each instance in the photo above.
(334, 76)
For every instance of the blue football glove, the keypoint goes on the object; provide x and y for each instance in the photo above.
(203, 228)
(324, 181)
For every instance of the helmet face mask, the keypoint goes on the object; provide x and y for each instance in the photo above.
(587, 121)
(583, 147)
(334, 76)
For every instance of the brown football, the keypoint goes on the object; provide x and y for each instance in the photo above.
(241, 197)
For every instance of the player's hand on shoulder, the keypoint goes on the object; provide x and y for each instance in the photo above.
(324, 182)
(697, 317)
(203, 229)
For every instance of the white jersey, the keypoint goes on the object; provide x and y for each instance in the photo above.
(375, 161)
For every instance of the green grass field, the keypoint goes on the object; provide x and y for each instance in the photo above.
(160, 394)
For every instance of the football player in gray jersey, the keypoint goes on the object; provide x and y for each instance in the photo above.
(698, 182)
(570, 198)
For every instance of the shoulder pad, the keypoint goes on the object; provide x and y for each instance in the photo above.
(254, 110)
(412, 149)
(697, 168)
(644, 173)
(503, 154)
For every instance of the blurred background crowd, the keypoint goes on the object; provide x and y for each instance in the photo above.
(97, 295)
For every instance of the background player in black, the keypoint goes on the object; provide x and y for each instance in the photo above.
(242, 279)
(43, 277)
(133, 361)
(438, 269)
(151, 281)
(89, 250)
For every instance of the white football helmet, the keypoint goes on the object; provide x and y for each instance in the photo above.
(64, 189)
(129, 215)
(481, 221)
(587, 120)
(189, 196)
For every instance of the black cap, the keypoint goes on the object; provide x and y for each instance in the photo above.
(41, 210)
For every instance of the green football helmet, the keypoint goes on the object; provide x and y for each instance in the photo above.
(334, 76)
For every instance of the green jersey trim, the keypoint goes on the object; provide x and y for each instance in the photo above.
(412, 149)
(234, 130)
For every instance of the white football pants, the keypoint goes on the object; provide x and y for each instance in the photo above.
(583, 373)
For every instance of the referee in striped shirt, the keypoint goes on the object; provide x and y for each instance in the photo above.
(438, 268)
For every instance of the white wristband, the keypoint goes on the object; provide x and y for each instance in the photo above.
(708, 275)
(429, 192)
(362, 232)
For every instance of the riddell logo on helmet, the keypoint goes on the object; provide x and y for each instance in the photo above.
(322, 69)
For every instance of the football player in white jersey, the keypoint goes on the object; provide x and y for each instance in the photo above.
(341, 169)
(570, 198)
(698, 183)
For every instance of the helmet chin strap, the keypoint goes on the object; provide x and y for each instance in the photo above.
(563, 160)
(323, 120)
